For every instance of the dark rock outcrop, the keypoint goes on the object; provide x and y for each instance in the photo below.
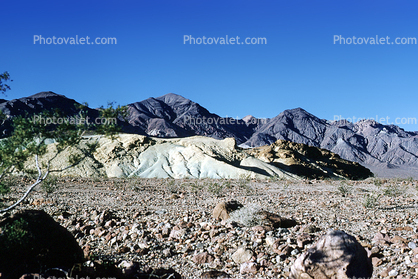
(308, 161)
(31, 241)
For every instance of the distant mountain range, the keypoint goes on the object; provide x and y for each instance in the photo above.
(386, 149)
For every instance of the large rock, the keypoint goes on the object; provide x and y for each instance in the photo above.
(336, 255)
(252, 216)
(223, 209)
(31, 240)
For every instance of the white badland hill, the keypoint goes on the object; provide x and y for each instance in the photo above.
(141, 156)
(198, 157)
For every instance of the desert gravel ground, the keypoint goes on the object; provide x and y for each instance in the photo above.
(168, 223)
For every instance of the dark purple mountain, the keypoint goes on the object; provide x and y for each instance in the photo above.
(172, 115)
(36, 104)
(383, 148)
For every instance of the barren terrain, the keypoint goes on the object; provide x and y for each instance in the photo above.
(169, 223)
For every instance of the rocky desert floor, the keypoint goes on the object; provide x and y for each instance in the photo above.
(168, 223)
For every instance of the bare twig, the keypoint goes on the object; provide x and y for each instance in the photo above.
(31, 187)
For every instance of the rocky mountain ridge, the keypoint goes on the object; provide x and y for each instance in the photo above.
(386, 149)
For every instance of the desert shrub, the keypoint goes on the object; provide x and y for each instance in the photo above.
(4, 188)
(215, 188)
(14, 236)
(49, 185)
(171, 186)
(392, 190)
(195, 186)
(227, 183)
(248, 216)
(344, 189)
(244, 183)
(371, 200)
(377, 182)
(7, 183)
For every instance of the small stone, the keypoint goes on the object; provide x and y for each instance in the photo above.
(129, 268)
(202, 258)
(294, 252)
(412, 245)
(242, 255)
(167, 252)
(303, 239)
(376, 261)
(177, 232)
(123, 250)
(408, 260)
(398, 239)
(393, 272)
(214, 274)
(248, 268)
(270, 240)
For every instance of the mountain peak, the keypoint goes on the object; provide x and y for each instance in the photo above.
(45, 94)
(297, 111)
(172, 98)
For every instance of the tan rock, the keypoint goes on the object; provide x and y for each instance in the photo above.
(223, 209)
(336, 255)
(376, 261)
(202, 258)
(215, 274)
(242, 255)
(248, 268)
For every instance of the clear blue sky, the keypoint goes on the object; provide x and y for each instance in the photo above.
(300, 66)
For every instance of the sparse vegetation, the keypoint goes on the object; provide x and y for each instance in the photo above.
(14, 236)
(29, 140)
(6, 184)
(392, 190)
(248, 216)
(195, 186)
(49, 185)
(171, 186)
(243, 183)
(410, 179)
(227, 183)
(371, 200)
(378, 182)
(215, 188)
(344, 188)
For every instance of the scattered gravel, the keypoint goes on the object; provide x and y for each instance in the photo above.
(168, 223)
